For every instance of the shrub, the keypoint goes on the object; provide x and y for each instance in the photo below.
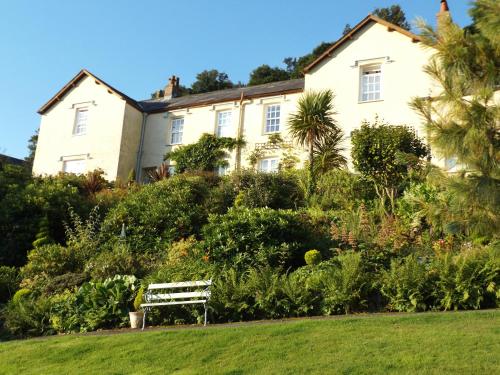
(231, 299)
(160, 213)
(406, 285)
(274, 190)
(9, 283)
(49, 261)
(20, 295)
(67, 281)
(265, 285)
(342, 284)
(469, 280)
(26, 316)
(119, 261)
(102, 304)
(261, 236)
(138, 300)
(342, 190)
(312, 257)
(385, 154)
(300, 297)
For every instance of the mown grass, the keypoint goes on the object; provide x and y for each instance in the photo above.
(430, 343)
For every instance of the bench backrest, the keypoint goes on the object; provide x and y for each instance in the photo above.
(166, 291)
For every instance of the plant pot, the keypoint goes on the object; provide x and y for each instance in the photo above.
(136, 319)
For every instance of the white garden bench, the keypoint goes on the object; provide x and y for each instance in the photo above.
(191, 292)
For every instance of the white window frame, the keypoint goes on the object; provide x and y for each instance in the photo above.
(269, 165)
(176, 130)
(270, 116)
(81, 169)
(222, 170)
(367, 88)
(80, 125)
(224, 123)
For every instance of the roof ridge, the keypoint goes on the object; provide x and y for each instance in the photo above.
(222, 90)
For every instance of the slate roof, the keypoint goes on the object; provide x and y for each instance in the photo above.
(259, 91)
(10, 160)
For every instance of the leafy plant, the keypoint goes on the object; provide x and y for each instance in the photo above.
(205, 155)
(9, 283)
(406, 285)
(342, 284)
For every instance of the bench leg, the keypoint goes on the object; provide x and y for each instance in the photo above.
(205, 305)
(144, 319)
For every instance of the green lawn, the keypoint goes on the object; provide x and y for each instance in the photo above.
(430, 343)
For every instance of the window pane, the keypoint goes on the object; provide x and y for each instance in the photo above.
(177, 129)
(81, 121)
(224, 124)
(371, 84)
(273, 114)
(74, 166)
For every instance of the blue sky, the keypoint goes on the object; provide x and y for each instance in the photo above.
(136, 45)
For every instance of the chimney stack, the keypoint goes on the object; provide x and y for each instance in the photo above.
(172, 89)
(444, 10)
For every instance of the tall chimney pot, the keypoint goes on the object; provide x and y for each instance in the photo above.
(172, 88)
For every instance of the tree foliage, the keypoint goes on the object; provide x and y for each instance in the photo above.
(313, 125)
(210, 80)
(385, 154)
(393, 14)
(205, 155)
(266, 74)
(462, 117)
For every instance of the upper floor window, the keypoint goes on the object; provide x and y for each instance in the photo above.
(177, 129)
(81, 117)
(74, 166)
(224, 123)
(269, 165)
(273, 118)
(370, 83)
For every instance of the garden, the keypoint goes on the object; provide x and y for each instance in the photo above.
(392, 233)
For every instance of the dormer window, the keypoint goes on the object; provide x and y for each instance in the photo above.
(81, 117)
(370, 88)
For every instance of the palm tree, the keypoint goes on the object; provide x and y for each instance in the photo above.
(328, 152)
(312, 123)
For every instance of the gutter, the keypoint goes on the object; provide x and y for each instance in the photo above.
(138, 169)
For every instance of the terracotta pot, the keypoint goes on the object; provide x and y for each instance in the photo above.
(136, 319)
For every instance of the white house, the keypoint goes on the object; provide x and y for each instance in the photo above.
(376, 69)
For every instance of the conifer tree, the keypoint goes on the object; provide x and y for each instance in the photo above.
(463, 118)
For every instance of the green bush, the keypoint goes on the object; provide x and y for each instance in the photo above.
(160, 213)
(274, 190)
(342, 284)
(119, 261)
(232, 300)
(469, 280)
(342, 190)
(406, 285)
(26, 316)
(138, 300)
(262, 236)
(9, 283)
(102, 304)
(20, 295)
(312, 257)
(300, 298)
(48, 261)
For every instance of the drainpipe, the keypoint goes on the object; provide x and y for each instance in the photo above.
(138, 169)
(239, 134)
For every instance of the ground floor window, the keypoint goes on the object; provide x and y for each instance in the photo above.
(269, 165)
(77, 166)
